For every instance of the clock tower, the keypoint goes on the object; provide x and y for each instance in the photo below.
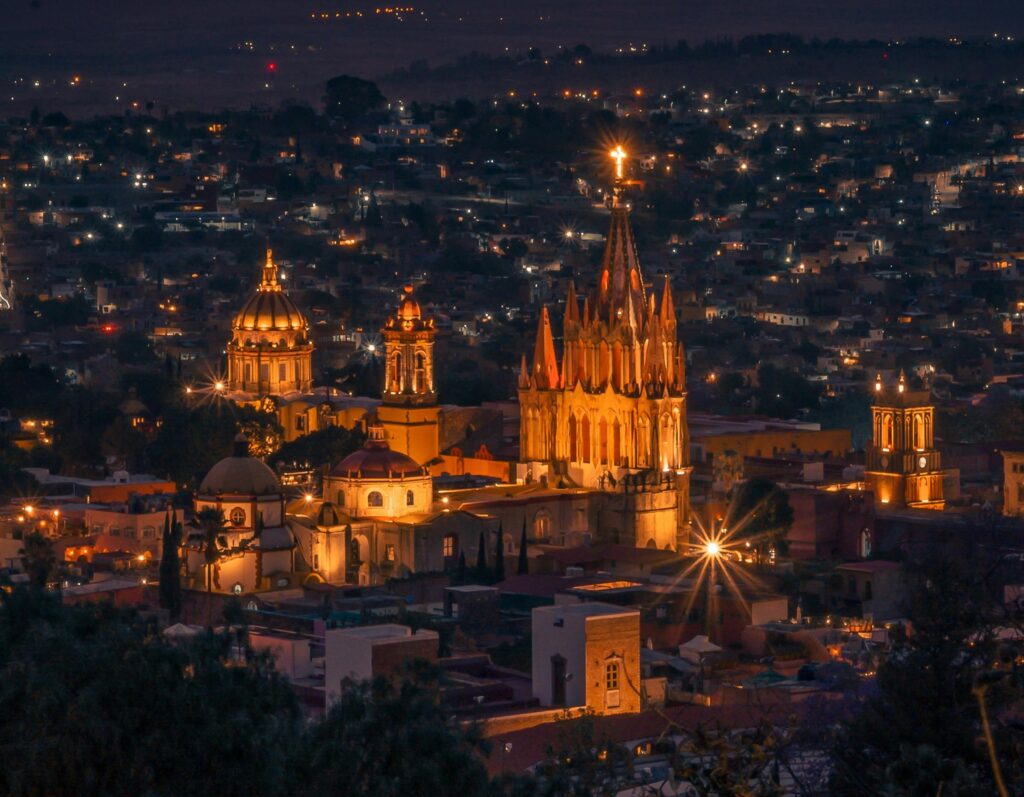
(904, 469)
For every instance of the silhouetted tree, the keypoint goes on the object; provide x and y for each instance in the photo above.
(170, 575)
(346, 98)
(762, 515)
(524, 563)
(481, 559)
(499, 556)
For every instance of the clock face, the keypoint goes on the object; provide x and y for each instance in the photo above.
(922, 462)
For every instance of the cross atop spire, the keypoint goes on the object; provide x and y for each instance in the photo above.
(619, 155)
(269, 281)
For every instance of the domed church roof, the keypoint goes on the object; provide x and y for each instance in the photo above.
(376, 460)
(410, 315)
(240, 474)
(269, 308)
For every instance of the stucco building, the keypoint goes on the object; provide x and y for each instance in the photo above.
(587, 654)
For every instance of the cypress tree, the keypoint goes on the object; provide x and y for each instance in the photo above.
(481, 559)
(499, 556)
(170, 578)
(524, 564)
(460, 572)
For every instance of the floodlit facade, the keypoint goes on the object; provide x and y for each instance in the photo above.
(269, 353)
(255, 547)
(611, 414)
(587, 654)
(904, 469)
(409, 411)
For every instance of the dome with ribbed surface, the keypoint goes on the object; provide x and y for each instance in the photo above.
(240, 474)
(269, 308)
(376, 460)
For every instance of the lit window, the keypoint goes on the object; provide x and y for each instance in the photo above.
(389, 553)
(237, 516)
(611, 675)
(541, 525)
(448, 546)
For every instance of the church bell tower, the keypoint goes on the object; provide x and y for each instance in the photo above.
(904, 469)
(409, 412)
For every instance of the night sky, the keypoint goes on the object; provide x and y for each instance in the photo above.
(194, 50)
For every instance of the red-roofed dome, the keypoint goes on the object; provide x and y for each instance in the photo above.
(376, 460)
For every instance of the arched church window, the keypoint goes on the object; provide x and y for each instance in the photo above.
(237, 516)
(573, 441)
(541, 525)
(644, 442)
(585, 434)
(602, 437)
(410, 498)
(421, 373)
(396, 373)
(375, 499)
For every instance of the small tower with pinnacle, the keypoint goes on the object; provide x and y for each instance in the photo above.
(904, 469)
(409, 412)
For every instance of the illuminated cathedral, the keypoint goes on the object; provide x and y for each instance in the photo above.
(269, 353)
(611, 415)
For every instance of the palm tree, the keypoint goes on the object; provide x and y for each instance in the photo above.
(211, 521)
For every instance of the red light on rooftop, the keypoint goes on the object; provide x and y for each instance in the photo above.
(108, 327)
(272, 66)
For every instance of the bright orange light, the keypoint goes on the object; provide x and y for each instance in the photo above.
(618, 155)
(218, 386)
(713, 548)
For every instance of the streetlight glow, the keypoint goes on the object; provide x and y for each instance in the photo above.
(618, 155)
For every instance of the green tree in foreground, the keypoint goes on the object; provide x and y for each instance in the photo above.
(93, 703)
(923, 733)
(399, 740)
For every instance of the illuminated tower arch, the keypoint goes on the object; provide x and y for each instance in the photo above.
(904, 468)
(409, 412)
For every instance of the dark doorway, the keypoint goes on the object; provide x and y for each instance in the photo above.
(557, 681)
